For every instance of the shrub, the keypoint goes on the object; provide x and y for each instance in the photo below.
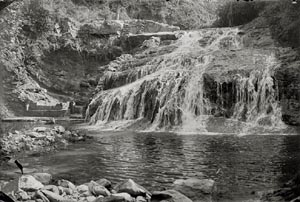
(284, 21)
(238, 13)
(36, 19)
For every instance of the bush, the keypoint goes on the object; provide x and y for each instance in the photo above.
(284, 21)
(238, 13)
(37, 19)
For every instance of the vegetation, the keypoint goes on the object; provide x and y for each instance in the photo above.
(282, 17)
(284, 21)
(238, 13)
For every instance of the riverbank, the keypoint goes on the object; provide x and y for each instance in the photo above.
(42, 188)
(50, 120)
(39, 140)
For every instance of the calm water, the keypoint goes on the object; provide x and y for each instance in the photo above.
(155, 160)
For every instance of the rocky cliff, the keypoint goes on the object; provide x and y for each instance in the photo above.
(52, 49)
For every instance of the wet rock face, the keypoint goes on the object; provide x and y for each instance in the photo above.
(288, 77)
(69, 72)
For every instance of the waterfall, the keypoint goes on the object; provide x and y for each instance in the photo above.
(257, 96)
(178, 86)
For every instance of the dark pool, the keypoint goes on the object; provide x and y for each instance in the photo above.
(155, 160)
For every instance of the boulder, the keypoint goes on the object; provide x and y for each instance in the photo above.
(196, 189)
(40, 129)
(65, 190)
(53, 197)
(82, 188)
(22, 195)
(97, 189)
(90, 198)
(140, 199)
(29, 183)
(66, 184)
(36, 135)
(111, 199)
(132, 188)
(169, 196)
(44, 178)
(105, 183)
(59, 129)
(40, 196)
(126, 197)
(12, 186)
(52, 188)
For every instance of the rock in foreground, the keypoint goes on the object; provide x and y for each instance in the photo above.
(132, 188)
(196, 189)
(27, 188)
(169, 196)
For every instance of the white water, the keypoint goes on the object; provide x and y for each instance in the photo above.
(169, 91)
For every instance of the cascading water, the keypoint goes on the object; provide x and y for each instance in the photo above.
(257, 97)
(208, 73)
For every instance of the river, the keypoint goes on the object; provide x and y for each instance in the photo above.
(245, 163)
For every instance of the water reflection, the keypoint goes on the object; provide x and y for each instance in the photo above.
(155, 160)
(290, 157)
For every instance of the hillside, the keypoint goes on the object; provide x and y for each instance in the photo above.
(50, 45)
